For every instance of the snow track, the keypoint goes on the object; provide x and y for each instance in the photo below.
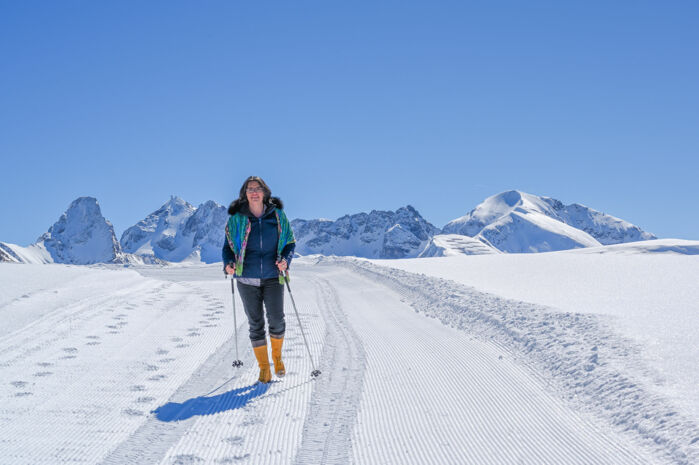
(333, 407)
(434, 394)
(143, 375)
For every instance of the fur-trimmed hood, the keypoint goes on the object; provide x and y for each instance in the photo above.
(242, 205)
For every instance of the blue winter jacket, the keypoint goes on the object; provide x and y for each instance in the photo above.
(261, 251)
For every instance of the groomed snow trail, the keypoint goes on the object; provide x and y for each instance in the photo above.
(142, 374)
(433, 394)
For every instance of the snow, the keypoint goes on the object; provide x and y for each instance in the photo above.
(515, 221)
(653, 299)
(444, 245)
(384, 234)
(504, 361)
(82, 236)
(178, 232)
(35, 253)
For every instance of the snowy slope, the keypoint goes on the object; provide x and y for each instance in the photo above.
(34, 253)
(516, 221)
(136, 368)
(444, 245)
(527, 231)
(649, 298)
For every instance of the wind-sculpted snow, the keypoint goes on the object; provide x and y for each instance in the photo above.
(593, 368)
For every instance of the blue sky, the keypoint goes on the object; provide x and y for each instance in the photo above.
(345, 107)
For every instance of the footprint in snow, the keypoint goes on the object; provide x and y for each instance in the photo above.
(181, 346)
(19, 384)
(70, 350)
(157, 378)
(152, 368)
(234, 459)
(166, 360)
(92, 337)
(235, 440)
(250, 422)
(133, 412)
(45, 364)
(162, 352)
(41, 374)
(93, 343)
(145, 400)
(137, 388)
(187, 459)
(176, 339)
(23, 394)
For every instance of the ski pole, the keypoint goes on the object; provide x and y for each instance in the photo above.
(315, 372)
(237, 362)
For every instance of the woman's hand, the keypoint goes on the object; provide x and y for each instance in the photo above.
(281, 265)
(230, 269)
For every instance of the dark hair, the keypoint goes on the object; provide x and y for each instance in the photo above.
(268, 192)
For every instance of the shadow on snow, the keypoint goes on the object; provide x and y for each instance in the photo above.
(231, 400)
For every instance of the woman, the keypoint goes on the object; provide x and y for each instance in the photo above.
(258, 249)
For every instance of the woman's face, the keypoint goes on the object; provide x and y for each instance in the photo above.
(254, 192)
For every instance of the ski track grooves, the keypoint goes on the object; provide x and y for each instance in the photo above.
(337, 392)
(433, 394)
(396, 387)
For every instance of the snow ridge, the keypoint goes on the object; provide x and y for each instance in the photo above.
(577, 354)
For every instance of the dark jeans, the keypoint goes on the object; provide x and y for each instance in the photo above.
(272, 294)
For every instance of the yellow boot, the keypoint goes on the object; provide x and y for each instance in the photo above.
(263, 362)
(279, 369)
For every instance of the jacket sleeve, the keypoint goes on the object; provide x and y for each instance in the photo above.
(288, 252)
(227, 254)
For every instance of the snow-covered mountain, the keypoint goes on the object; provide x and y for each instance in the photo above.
(34, 253)
(178, 231)
(379, 234)
(206, 228)
(516, 221)
(81, 236)
(511, 221)
(445, 245)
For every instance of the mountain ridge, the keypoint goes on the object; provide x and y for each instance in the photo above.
(509, 222)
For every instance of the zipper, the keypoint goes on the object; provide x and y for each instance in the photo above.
(261, 249)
